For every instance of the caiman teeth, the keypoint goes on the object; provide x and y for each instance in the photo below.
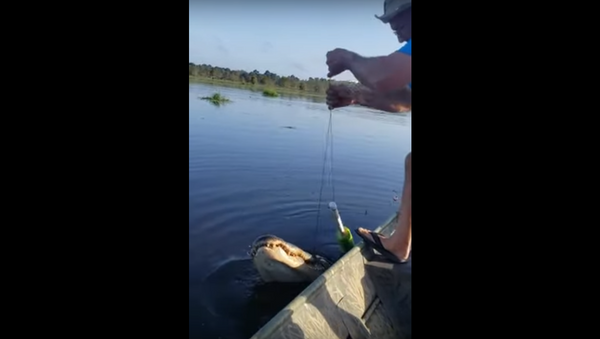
(292, 252)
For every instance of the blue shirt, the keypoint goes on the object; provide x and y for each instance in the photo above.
(406, 49)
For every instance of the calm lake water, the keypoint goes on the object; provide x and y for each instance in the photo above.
(255, 167)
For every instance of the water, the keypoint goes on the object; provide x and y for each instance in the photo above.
(255, 167)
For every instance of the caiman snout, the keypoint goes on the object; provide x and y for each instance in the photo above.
(277, 260)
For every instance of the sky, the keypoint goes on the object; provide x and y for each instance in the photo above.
(286, 37)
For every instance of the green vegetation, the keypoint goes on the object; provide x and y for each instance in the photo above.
(270, 93)
(216, 99)
(257, 81)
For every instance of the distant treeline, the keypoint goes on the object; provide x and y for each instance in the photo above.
(267, 79)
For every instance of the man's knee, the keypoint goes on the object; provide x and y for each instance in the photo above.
(407, 161)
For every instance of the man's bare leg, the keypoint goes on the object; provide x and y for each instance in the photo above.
(399, 243)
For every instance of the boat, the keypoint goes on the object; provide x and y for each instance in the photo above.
(357, 297)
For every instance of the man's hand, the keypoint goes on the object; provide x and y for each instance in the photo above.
(338, 61)
(341, 95)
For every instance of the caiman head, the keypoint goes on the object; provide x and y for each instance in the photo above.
(277, 260)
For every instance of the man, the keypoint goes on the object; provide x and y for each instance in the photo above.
(386, 85)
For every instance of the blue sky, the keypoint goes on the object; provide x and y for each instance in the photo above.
(285, 36)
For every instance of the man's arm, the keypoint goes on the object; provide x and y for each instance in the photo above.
(382, 74)
(397, 101)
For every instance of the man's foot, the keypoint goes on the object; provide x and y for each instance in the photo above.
(383, 244)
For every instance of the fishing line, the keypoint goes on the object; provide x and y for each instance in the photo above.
(343, 234)
(328, 146)
(331, 157)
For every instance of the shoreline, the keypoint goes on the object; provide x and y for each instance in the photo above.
(255, 88)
